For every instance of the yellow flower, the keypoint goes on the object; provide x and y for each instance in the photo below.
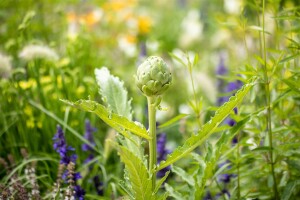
(27, 84)
(144, 24)
(30, 122)
(71, 16)
(59, 81)
(117, 5)
(80, 90)
(39, 124)
(45, 79)
(28, 111)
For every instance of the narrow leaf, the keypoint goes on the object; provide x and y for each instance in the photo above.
(172, 121)
(289, 58)
(177, 59)
(161, 181)
(185, 176)
(288, 190)
(292, 84)
(173, 193)
(138, 174)
(119, 123)
(207, 129)
(62, 122)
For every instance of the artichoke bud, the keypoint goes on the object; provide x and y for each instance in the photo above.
(153, 76)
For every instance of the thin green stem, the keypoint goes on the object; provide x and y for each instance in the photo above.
(269, 111)
(194, 91)
(238, 168)
(152, 142)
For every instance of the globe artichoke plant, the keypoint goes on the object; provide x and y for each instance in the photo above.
(153, 76)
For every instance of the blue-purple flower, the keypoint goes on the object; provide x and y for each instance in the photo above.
(162, 153)
(67, 156)
(89, 130)
(98, 185)
(79, 192)
(61, 147)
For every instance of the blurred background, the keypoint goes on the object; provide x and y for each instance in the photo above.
(49, 50)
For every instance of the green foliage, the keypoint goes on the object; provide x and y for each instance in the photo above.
(207, 129)
(119, 123)
(138, 175)
(113, 93)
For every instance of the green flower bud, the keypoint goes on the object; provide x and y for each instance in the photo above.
(153, 76)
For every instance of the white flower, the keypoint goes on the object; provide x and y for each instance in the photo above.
(252, 144)
(5, 66)
(127, 45)
(31, 52)
(233, 6)
(191, 28)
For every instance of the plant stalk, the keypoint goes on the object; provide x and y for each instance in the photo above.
(152, 141)
(238, 168)
(268, 103)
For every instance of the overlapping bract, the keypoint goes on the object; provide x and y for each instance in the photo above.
(153, 76)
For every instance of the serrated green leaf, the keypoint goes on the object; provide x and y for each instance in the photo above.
(113, 91)
(207, 129)
(119, 123)
(173, 193)
(138, 175)
(185, 176)
(161, 181)
(115, 96)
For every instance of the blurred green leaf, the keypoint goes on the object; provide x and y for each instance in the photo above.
(185, 176)
(289, 189)
(172, 121)
(173, 192)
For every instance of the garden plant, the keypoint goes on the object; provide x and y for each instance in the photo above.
(136, 99)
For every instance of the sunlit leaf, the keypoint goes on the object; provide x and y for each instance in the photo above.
(119, 123)
(207, 129)
(138, 175)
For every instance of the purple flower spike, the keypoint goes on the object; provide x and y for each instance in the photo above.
(60, 146)
(79, 192)
(233, 86)
(208, 196)
(89, 130)
(162, 153)
(98, 185)
(221, 69)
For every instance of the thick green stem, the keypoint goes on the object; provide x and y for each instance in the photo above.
(152, 132)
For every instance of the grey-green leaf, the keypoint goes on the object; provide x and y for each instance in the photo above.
(113, 91)
(119, 123)
(207, 129)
